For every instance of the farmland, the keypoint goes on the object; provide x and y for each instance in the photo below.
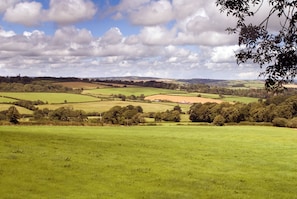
(75, 101)
(51, 98)
(147, 162)
(102, 106)
(100, 98)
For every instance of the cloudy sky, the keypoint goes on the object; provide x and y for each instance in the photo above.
(107, 38)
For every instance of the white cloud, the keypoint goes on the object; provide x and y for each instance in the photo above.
(71, 11)
(154, 13)
(156, 35)
(112, 36)
(247, 75)
(193, 44)
(26, 13)
(4, 4)
(223, 54)
(4, 33)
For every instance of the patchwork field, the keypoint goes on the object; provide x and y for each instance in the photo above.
(148, 162)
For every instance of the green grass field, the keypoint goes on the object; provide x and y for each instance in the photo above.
(137, 91)
(4, 107)
(50, 97)
(6, 100)
(148, 162)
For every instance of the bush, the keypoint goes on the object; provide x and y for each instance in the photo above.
(292, 123)
(280, 122)
(219, 120)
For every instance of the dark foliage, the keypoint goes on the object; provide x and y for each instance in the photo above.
(273, 50)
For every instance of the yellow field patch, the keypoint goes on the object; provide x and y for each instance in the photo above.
(181, 99)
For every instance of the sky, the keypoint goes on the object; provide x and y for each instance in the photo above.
(178, 39)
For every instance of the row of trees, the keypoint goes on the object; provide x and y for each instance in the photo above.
(274, 108)
(37, 86)
(117, 115)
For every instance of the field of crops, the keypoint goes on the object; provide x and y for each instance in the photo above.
(148, 162)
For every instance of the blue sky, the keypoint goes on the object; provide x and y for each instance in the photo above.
(104, 38)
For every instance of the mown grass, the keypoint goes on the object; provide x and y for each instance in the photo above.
(148, 162)
(49, 97)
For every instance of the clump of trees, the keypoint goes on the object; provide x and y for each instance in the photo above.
(169, 115)
(63, 114)
(12, 115)
(278, 110)
(130, 97)
(128, 115)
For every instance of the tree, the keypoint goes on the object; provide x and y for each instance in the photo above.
(13, 115)
(270, 48)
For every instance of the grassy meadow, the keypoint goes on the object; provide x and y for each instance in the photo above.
(21, 110)
(148, 162)
(102, 106)
(137, 91)
(49, 97)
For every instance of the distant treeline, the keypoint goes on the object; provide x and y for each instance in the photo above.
(46, 84)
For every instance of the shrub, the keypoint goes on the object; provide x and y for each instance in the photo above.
(280, 122)
(292, 123)
(219, 120)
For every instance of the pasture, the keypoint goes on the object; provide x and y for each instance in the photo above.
(148, 162)
(50, 97)
(137, 91)
(22, 110)
(102, 106)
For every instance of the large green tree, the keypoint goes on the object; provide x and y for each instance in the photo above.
(273, 48)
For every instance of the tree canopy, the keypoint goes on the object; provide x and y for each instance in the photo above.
(271, 46)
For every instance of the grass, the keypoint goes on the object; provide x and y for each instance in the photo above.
(50, 97)
(226, 98)
(6, 100)
(21, 110)
(137, 91)
(102, 106)
(148, 162)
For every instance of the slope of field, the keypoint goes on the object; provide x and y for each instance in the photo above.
(50, 97)
(147, 162)
(21, 110)
(181, 99)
